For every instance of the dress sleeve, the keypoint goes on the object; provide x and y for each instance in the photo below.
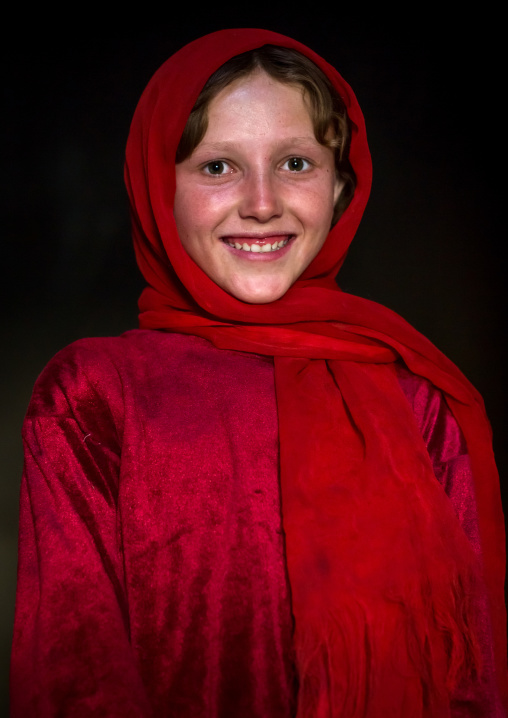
(71, 652)
(452, 467)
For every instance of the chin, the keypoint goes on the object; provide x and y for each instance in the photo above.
(262, 294)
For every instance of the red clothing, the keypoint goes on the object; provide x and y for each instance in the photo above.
(152, 575)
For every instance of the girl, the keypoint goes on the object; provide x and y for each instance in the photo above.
(272, 499)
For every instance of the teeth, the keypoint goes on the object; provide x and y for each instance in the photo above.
(259, 247)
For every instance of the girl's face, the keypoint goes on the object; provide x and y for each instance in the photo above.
(254, 201)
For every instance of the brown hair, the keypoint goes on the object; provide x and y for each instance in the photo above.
(289, 67)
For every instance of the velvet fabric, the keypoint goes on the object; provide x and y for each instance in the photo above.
(152, 570)
(384, 583)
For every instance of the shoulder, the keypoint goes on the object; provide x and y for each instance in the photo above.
(437, 425)
(99, 372)
(91, 372)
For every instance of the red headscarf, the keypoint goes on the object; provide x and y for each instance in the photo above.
(381, 573)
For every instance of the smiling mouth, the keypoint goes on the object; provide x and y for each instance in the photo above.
(259, 245)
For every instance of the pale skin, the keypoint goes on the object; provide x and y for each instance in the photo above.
(254, 201)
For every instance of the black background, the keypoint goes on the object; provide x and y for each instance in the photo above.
(431, 245)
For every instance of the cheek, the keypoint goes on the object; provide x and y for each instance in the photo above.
(319, 209)
(180, 212)
(189, 219)
(197, 213)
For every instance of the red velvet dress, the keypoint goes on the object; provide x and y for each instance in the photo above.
(152, 572)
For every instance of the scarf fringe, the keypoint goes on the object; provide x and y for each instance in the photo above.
(403, 662)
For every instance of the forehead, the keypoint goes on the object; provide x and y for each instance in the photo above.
(261, 104)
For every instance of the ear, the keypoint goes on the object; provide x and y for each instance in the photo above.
(337, 189)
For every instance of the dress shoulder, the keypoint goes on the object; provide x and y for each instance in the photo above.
(82, 375)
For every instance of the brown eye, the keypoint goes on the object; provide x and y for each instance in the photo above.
(217, 167)
(297, 164)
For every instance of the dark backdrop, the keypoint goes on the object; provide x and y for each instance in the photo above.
(430, 246)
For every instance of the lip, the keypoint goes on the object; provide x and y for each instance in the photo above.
(260, 239)
(255, 237)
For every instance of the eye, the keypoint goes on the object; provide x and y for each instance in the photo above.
(297, 164)
(217, 167)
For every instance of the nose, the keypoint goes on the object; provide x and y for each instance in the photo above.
(260, 198)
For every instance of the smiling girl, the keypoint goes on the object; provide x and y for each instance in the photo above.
(253, 210)
(274, 498)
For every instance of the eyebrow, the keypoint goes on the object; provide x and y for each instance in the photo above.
(227, 145)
